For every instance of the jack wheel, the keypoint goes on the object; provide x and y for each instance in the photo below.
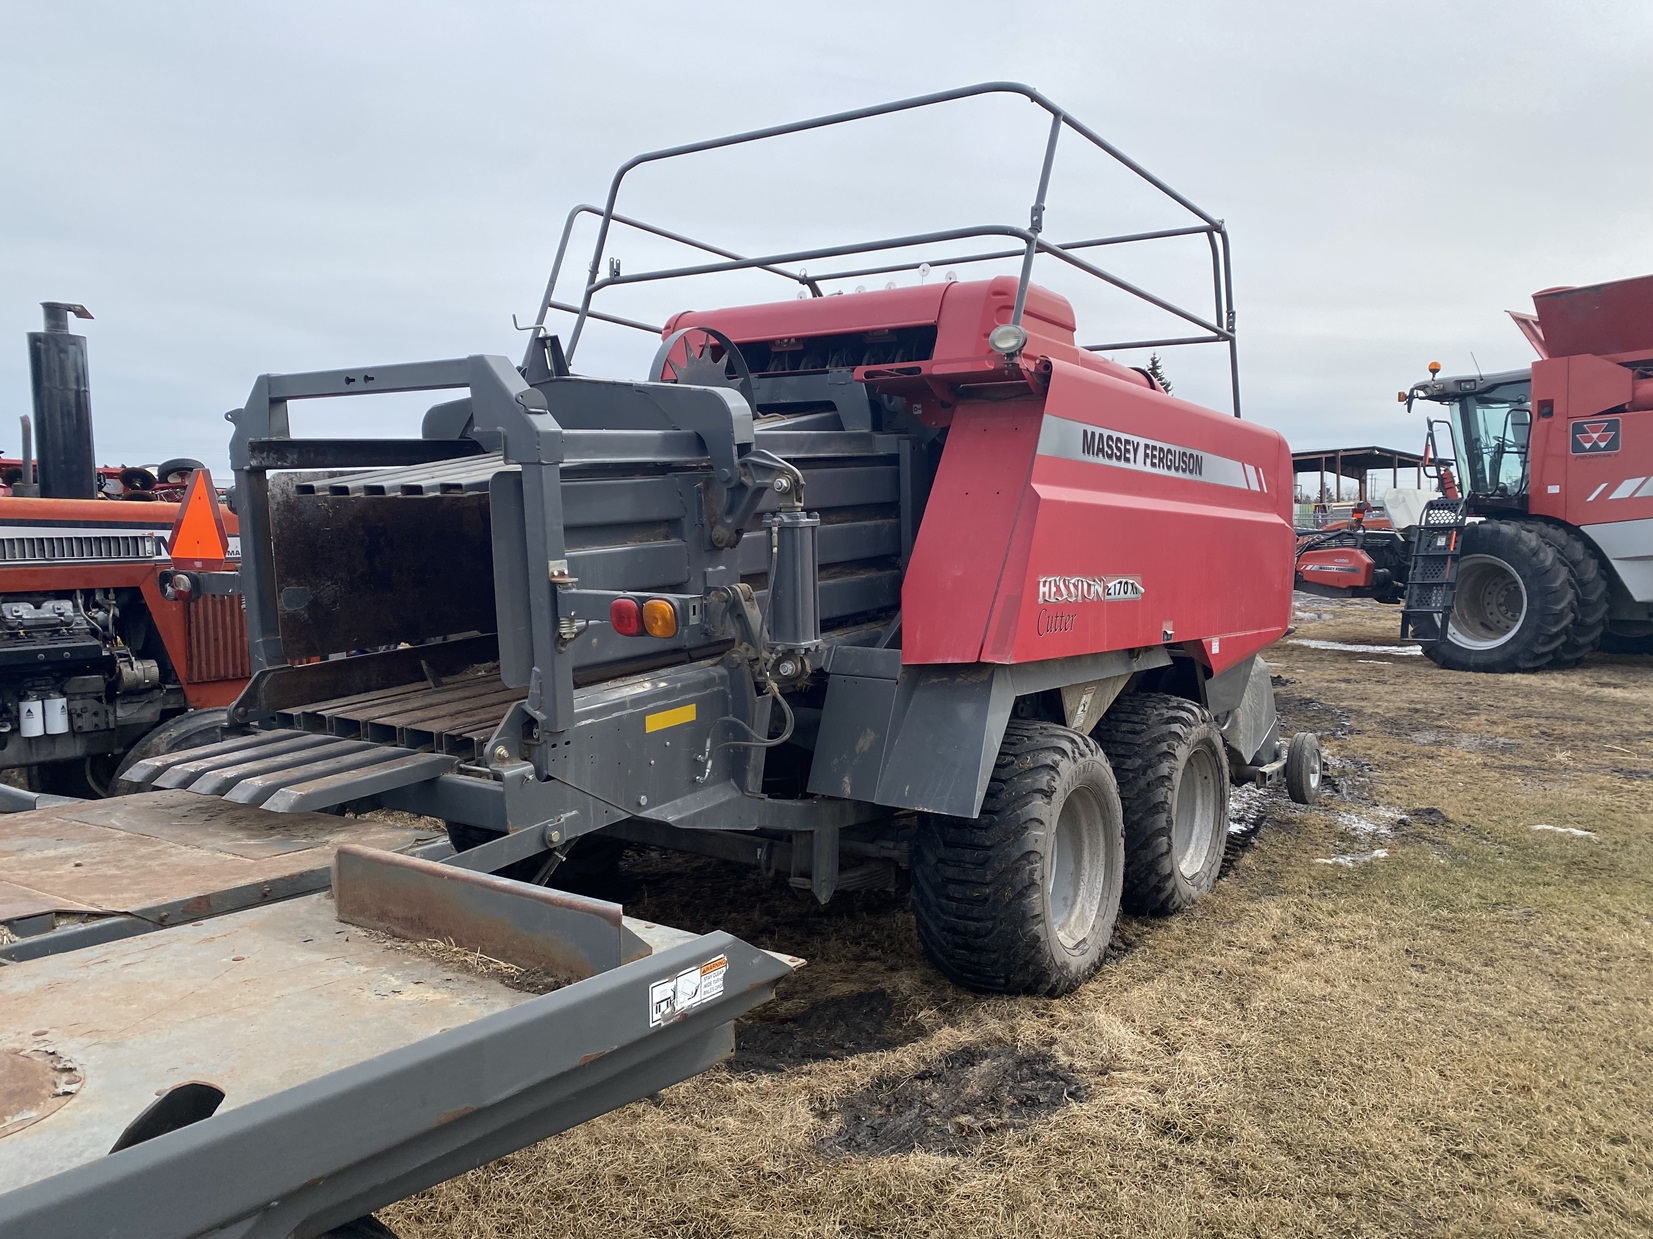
(1168, 756)
(1023, 898)
(1304, 768)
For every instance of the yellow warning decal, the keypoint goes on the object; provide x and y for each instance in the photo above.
(668, 718)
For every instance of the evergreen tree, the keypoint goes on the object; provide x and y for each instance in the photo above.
(1157, 370)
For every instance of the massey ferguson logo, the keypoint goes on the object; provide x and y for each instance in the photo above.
(1598, 435)
(1054, 589)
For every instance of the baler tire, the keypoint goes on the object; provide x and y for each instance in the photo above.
(186, 731)
(1590, 593)
(983, 887)
(1548, 606)
(1304, 768)
(1150, 740)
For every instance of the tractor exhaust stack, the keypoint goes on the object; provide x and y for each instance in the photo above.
(62, 406)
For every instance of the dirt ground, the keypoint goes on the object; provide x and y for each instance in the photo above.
(1421, 1007)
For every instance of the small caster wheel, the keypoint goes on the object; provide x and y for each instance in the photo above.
(1303, 768)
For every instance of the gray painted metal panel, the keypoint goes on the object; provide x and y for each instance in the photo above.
(1626, 543)
(946, 731)
(1252, 722)
(345, 1093)
(569, 937)
(931, 744)
(854, 738)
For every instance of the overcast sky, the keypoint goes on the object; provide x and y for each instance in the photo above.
(233, 190)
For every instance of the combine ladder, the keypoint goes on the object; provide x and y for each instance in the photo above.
(1432, 582)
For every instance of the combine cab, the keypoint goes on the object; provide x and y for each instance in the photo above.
(838, 586)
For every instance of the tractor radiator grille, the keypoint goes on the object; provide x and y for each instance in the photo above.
(60, 548)
(217, 639)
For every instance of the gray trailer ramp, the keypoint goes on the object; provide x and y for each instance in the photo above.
(286, 1068)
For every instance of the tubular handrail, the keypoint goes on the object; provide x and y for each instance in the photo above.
(1220, 329)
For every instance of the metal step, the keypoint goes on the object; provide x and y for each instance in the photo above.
(1432, 580)
(288, 771)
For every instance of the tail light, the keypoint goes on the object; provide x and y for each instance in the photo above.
(659, 618)
(626, 617)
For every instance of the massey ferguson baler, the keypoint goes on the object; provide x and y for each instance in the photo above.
(840, 585)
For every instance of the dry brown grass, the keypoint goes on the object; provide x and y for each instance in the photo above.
(1452, 1040)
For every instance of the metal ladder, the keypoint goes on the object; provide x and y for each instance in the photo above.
(1432, 582)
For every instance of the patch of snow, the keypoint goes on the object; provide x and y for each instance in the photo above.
(1404, 651)
(1247, 808)
(1355, 824)
(1568, 830)
(1350, 859)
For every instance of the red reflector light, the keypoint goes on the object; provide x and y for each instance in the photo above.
(626, 616)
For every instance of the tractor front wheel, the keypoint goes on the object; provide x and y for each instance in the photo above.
(1514, 604)
(1023, 899)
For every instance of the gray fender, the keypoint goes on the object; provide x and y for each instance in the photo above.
(925, 736)
(1242, 701)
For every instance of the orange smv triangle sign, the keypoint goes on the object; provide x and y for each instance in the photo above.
(198, 538)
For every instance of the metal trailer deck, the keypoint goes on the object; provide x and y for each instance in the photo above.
(288, 1067)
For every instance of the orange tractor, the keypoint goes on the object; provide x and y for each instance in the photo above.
(109, 647)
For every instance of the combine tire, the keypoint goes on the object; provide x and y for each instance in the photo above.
(1589, 593)
(1168, 756)
(1514, 605)
(1023, 899)
(187, 731)
(1303, 768)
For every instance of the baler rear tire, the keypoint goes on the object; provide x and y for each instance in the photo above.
(1168, 757)
(1481, 633)
(1589, 589)
(1023, 898)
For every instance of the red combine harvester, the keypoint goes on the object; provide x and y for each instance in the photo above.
(1541, 549)
(105, 645)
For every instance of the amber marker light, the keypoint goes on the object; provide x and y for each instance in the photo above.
(659, 618)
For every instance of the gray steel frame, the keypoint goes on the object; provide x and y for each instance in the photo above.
(1220, 329)
(342, 1145)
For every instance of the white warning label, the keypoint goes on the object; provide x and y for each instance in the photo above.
(677, 995)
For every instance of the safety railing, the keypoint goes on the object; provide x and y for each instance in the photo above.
(1219, 328)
